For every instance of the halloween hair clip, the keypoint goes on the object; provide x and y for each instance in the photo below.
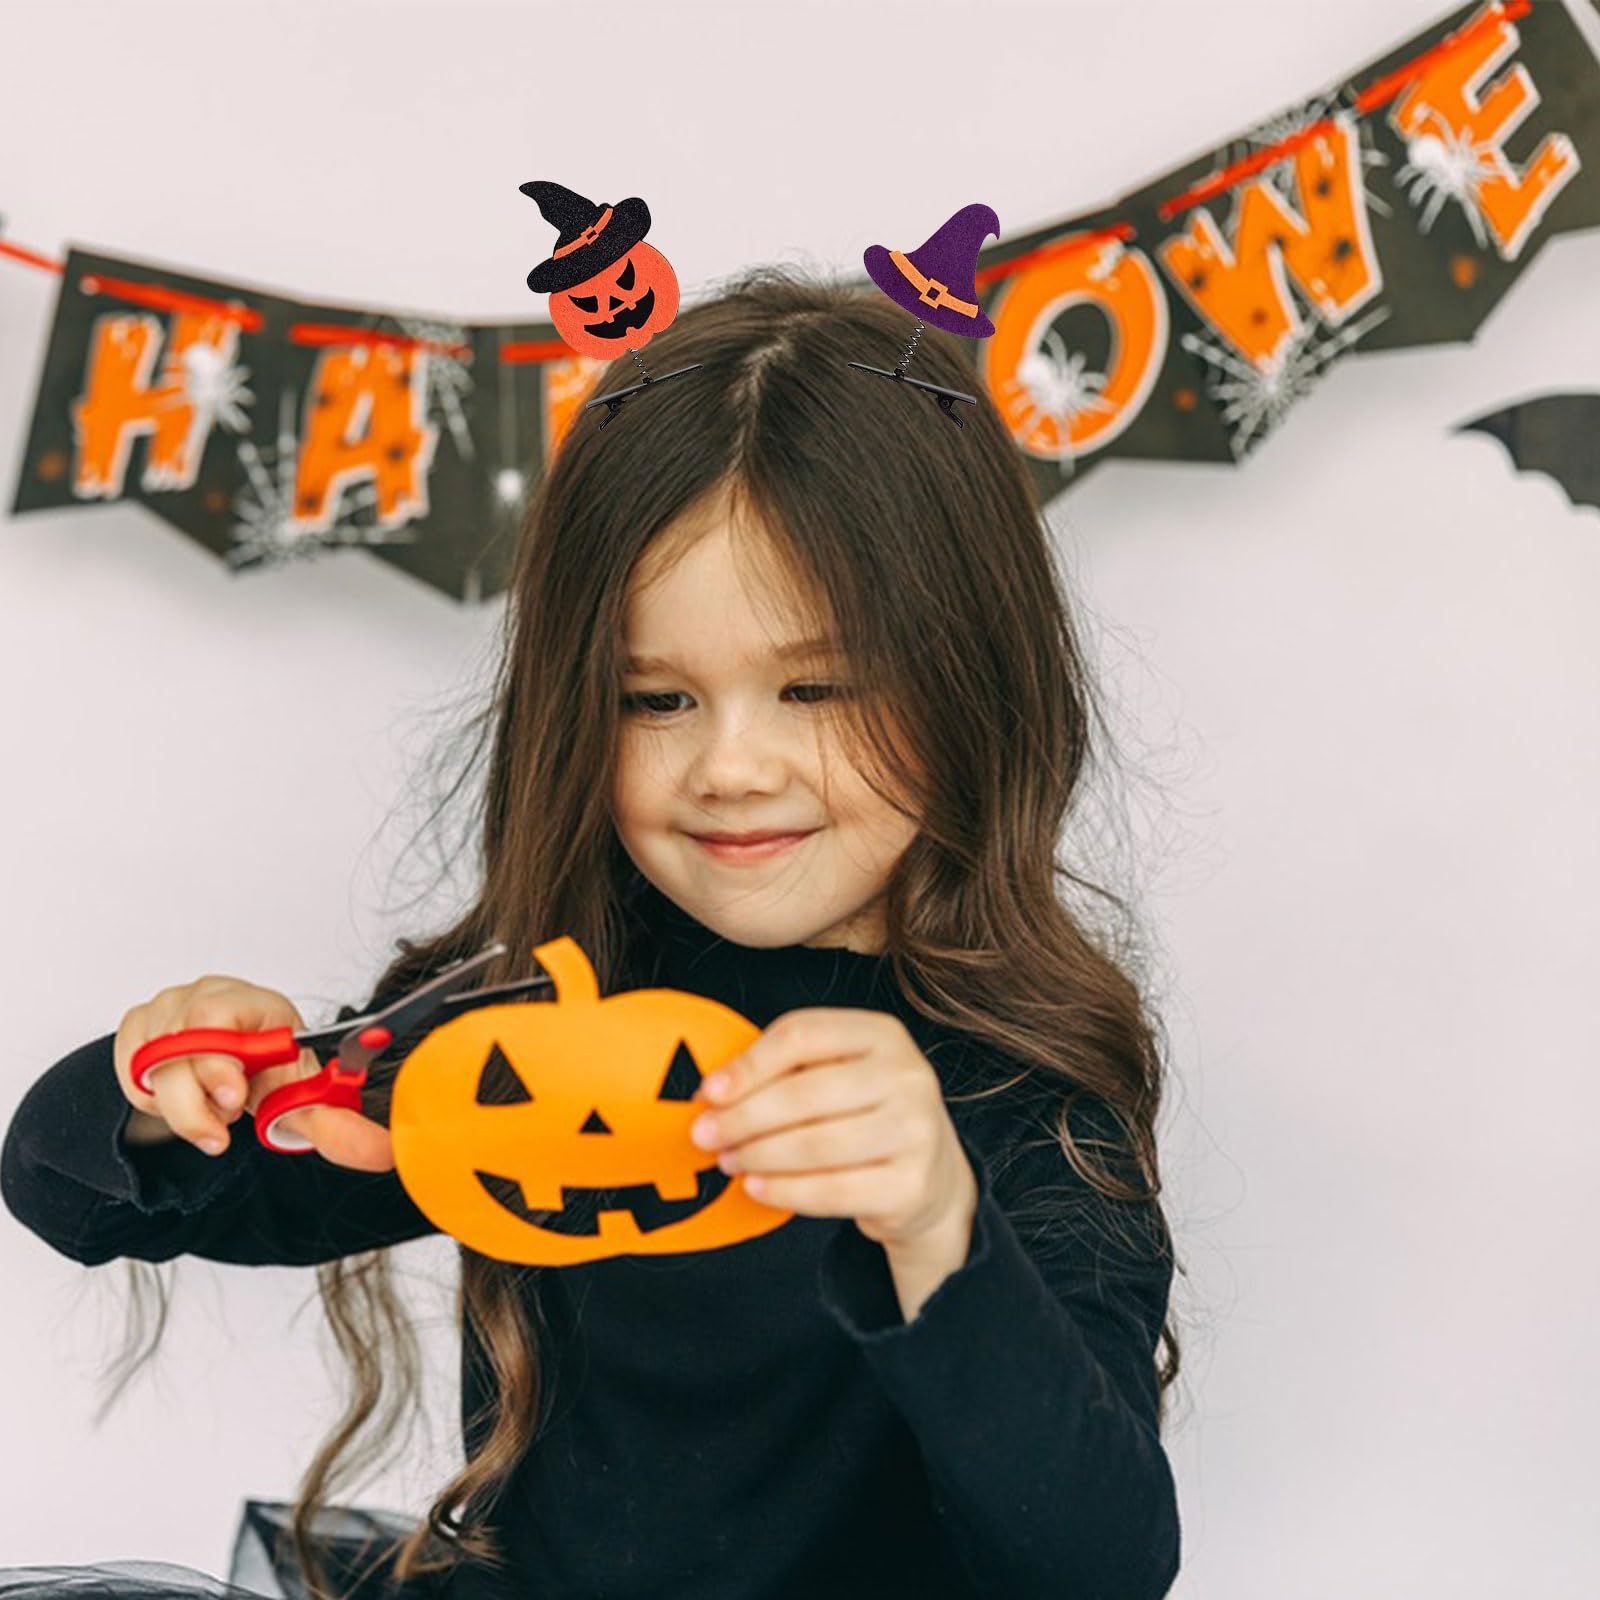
(609, 290)
(936, 283)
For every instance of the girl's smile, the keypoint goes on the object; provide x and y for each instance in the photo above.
(758, 850)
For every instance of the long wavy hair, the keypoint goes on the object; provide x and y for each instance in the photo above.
(924, 549)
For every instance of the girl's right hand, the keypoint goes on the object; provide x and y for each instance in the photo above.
(197, 1097)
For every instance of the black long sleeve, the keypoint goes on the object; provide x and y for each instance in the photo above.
(67, 1174)
(1027, 1377)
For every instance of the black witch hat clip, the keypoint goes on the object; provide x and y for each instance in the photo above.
(609, 290)
(936, 284)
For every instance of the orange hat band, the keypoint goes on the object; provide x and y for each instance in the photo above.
(588, 236)
(929, 290)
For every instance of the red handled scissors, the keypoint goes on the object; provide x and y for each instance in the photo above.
(359, 1042)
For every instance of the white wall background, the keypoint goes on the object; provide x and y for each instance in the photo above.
(1361, 673)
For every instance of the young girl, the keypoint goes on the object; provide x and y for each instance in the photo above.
(777, 596)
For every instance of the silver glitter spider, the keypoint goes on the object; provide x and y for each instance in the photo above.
(1255, 399)
(1056, 382)
(1282, 173)
(266, 532)
(1274, 130)
(1446, 166)
(214, 384)
(446, 378)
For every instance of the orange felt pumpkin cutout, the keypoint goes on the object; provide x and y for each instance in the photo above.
(622, 307)
(555, 1132)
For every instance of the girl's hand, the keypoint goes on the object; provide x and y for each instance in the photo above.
(197, 1097)
(835, 1112)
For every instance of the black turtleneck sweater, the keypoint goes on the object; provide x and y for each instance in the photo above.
(756, 1421)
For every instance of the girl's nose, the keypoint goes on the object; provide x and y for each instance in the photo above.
(743, 754)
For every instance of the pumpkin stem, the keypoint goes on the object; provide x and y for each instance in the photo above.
(574, 974)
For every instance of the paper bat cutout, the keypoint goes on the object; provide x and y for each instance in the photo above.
(1556, 434)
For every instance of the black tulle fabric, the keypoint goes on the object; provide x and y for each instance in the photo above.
(354, 1545)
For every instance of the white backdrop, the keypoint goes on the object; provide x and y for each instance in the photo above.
(1360, 675)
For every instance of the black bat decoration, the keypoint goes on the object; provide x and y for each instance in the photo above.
(1557, 434)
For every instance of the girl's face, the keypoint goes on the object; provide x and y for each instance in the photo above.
(722, 731)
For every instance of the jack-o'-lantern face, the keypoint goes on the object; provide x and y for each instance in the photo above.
(620, 308)
(555, 1132)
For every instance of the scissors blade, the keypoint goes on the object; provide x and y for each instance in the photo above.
(326, 1041)
(403, 1016)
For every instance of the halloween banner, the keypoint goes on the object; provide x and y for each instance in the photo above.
(1183, 322)
(1393, 210)
(266, 428)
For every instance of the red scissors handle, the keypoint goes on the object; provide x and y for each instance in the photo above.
(361, 1040)
(255, 1052)
(333, 1086)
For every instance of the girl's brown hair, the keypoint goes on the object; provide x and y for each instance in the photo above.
(923, 548)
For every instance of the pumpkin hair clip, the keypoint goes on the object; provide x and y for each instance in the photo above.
(937, 284)
(609, 290)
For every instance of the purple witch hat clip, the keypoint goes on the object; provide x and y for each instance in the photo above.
(936, 284)
(609, 290)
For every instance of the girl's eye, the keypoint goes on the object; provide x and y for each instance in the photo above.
(647, 702)
(650, 702)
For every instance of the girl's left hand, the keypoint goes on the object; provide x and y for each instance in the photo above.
(837, 1113)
